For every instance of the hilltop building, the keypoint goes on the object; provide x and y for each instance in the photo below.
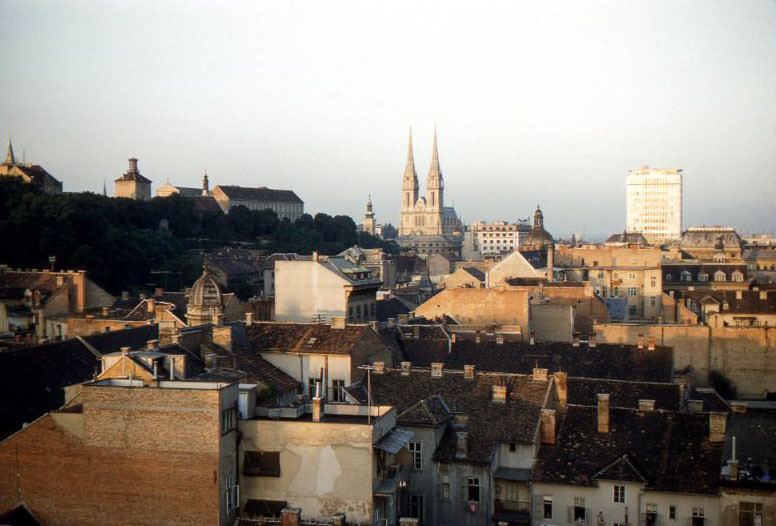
(168, 189)
(29, 173)
(654, 203)
(285, 203)
(426, 224)
(369, 225)
(133, 185)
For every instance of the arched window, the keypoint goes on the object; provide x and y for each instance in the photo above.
(720, 276)
(737, 276)
(685, 276)
(668, 276)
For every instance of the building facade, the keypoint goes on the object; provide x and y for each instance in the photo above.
(133, 185)
(492, 241)
(285, 203)
(654, 203)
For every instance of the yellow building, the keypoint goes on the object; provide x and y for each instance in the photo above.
(132, 185)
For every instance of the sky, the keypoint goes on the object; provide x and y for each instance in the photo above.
(545, 103)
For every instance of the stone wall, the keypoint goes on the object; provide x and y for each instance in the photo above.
(479, 306)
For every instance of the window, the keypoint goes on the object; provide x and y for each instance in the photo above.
(579, 509)
(750, 514)
(231, 494)
(633, 291)
(720, 276)
(261, 463)
(312, 387)
(547, 506)
(703, 276)
(512, 445)
(697, 517)
(416, 451)
(737, 276)
(444, 490)
(672, 512)
(619, 494)
(228, 420)
(652, 301)
(653, 281)
(631, 310)
(685, 276)
(473, 489)
(651, 518)
(338, 390)
(668, 277)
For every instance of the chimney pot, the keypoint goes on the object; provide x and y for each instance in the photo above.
(248, 319)
(436, 369)
(468, 372)
(651, 344)
(603, 412)
(539, 374)
(405, 368)
(640, 343)
(378, 367)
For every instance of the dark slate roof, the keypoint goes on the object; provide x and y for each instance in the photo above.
(475, 272)
(537, 258)
(430, 411)
(19, 516)
(670, 450)
(707, 238)
(750, 302)
(755, 446)
(390, 308)
(711, 399)
(14, 283)
(33, 379)
(206, 203)
(306, 337)
(262, 194)
(38, 174)
(583, 391)
(674, 270)
(487, 424)
(630, 238)
(613, 361)
(256, 367)
(134, 176)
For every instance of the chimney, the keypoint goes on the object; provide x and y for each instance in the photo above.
(171, 366)
(550, 262)
(338, 322)
(739, 407)
(152, 345)
(315, 255)
(531, 337)
(499, 339)
(124, 295)
(499, 394)
(548, 426)
(132, 166)
(453, 337)
(79, 280)
(391, 322)
(468, 372)
(651, 344)
(591, 340)
(125, 350)
(205, 185)
(60, 280)
(151, 305)
(158, 291)
(717, 426)
(436, 369)
(603, 413)
(646, 405)
(660, 320)
(378, 367)
(317, 409)
(248, 319)
(640, 343)
(105, 311)
(462, 446)
(405, 368)
(562, 387)
(575, 341)
(539, 375)
(290, 516)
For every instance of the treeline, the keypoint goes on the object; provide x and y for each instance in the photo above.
(130, 245)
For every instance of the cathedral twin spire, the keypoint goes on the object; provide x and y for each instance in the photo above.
(434, 181)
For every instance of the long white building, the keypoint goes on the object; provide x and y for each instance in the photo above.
(654, 203)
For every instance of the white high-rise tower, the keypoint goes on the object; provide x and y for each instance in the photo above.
(654, 203)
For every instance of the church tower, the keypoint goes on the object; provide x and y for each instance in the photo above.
(435, 185)
(409, 185)
(369, 218)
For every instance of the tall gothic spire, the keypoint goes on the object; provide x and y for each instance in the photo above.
(9, 158)
(434, 172)
(409, 170)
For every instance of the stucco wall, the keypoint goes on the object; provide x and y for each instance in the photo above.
(304, 289)
(480, 306)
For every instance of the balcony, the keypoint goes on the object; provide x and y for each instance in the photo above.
(512, 511)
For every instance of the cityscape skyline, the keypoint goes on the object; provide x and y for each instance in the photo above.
(555, 104)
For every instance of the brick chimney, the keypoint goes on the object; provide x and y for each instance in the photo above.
(462, 445)
(550, 262)
(436, 369)
(717, 426)
(468, 372)
(562, 387)
(338, 322)
(406, 367)
(548, 426)
(151, 305)
(603, 413)
(290, 516)
(317, 408)
(79, 281)
(499, 394)
(539, 374)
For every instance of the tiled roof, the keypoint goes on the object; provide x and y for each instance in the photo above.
(390, 308)
(536, 258)
(755, 446)
(206, 203)
(583, 391)
(750, 302)
(670, 450)
(430, 411)
(133, 176)
(613, 361)
(14, 283)
(37, 173)
(306, 337)
(487, 424)
(262, 194)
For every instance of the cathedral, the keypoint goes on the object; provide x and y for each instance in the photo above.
(426, 224)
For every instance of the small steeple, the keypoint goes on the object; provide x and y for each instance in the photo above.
(9, 158)
(409, 170)
(538, 218)
(205, 185)
(434, 172)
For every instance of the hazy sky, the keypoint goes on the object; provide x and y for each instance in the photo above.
(535, 102)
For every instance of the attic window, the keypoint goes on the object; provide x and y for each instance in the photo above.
(312, 341)
(261, 464)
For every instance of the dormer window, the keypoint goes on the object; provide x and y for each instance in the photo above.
(669, 277)
(738, 276)
(685, 276)
(720, 276)
(703, 276)
(725, 305)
